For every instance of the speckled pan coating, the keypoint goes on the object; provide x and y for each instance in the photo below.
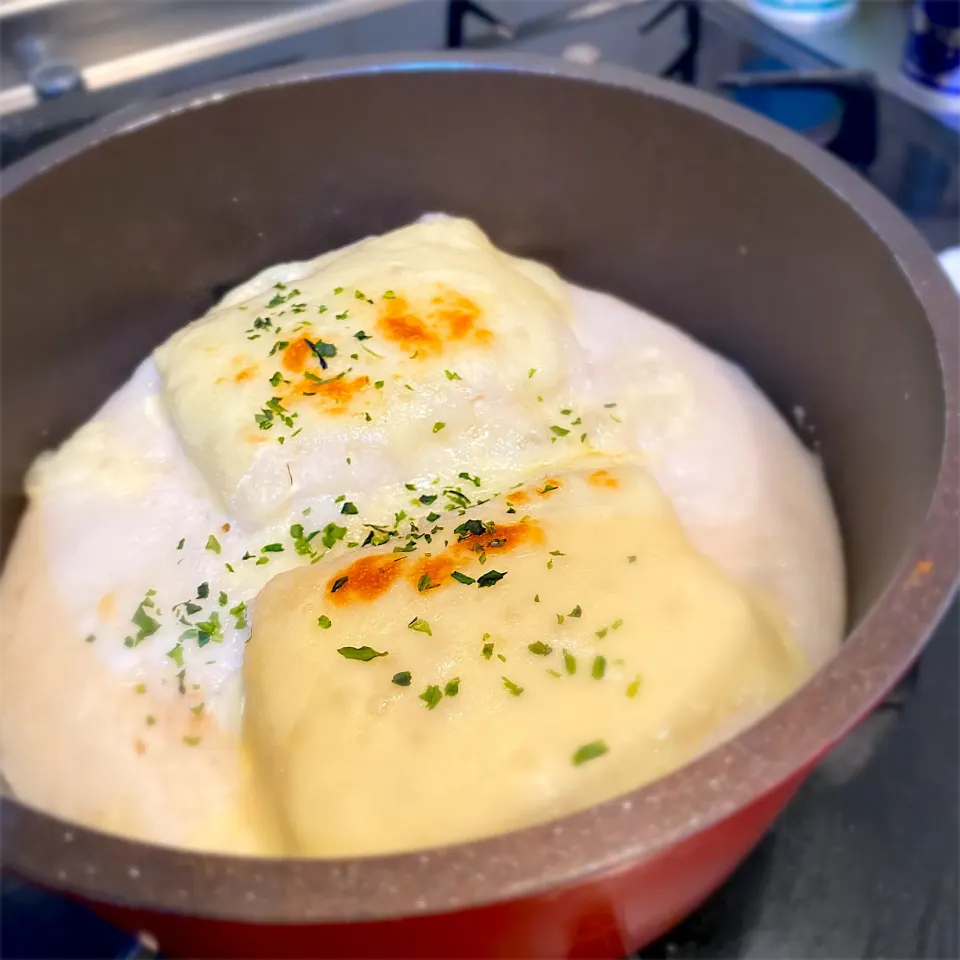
(888, 636)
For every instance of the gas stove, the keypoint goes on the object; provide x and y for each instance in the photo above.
(864, 861)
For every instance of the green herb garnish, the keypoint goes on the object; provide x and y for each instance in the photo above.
(569, 662)
(634, 688)
(240, 613)
(514, 688)
(431, 696)
(146, 625)
(321, 350)
(540, 649)
(324, 622)
(205, 631)
(452, 688)
(490, 578)
(360, 653)
(458, 499)
(332, 533)
(420, 625)
(338, 583)
(462, 578)
(599, 667)
(213, 544)
(402, 679)
(438, 426)
(589, 751)
(470, 528)
(559, 431)
(301, 541)
(451, 375)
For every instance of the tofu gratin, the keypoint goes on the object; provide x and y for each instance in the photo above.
(407, 545)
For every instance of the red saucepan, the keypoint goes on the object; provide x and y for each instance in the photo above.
(750, 238)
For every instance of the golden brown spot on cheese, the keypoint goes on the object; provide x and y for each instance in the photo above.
(296, 354)
(226, 528)
(458, 313)
(107, 607)
(501, 539)
(367, 579)
(370, 577)
(245, 374)
(524, 495)
(335, 394)
(400, 325)
(603, 478)
(438, 568)
(450, 317)
(139, 747)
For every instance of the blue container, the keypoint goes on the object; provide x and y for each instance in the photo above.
(932, 54)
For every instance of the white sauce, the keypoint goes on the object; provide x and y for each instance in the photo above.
(109, 509)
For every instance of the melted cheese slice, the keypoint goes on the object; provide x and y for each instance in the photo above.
(352, 373)
(607, 654)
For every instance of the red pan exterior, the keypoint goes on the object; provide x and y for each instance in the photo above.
(606, 917)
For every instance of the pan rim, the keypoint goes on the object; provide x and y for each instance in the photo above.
(619, 832)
